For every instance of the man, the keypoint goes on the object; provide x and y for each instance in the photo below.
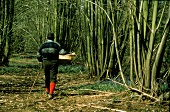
(48, 54)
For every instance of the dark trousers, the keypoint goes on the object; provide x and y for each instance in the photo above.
(50, 69)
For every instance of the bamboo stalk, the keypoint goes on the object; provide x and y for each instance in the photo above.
(150, 49)
(160, 53)
(145, 17)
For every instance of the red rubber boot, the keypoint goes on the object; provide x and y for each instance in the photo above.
(52, 87)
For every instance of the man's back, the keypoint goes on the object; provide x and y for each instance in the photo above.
(50, 50)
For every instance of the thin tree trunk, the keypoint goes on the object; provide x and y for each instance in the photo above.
(6, 34)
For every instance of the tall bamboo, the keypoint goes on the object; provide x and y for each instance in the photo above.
(151, 43)
(158, 59)
(131, 48)
(145, 17)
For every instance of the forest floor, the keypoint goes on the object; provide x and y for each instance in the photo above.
(22, 90)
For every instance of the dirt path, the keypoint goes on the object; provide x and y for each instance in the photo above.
(18, 96)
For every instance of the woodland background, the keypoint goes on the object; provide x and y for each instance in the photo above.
(127, 40)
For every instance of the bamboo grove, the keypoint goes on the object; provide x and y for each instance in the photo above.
(117, 39)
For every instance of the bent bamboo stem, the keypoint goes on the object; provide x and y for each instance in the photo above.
(136, 90)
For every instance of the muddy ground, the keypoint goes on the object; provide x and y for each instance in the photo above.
(23, 91)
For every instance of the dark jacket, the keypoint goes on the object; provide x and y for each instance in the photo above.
(50, 50)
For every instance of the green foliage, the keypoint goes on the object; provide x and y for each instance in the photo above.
(104, 86)
(71, 69)
(4, 70)
(25, 63)
(19, 68)
(18, 65)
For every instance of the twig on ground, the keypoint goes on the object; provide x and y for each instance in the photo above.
(97, 91)
(100, 107)
(50, 104)
(34, 82)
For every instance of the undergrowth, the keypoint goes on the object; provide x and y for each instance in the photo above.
(30, 66)
(74, 87)
(107, 86)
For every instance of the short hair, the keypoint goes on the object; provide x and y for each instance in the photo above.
(50, 36)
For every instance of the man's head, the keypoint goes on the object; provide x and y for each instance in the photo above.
(50, 36)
